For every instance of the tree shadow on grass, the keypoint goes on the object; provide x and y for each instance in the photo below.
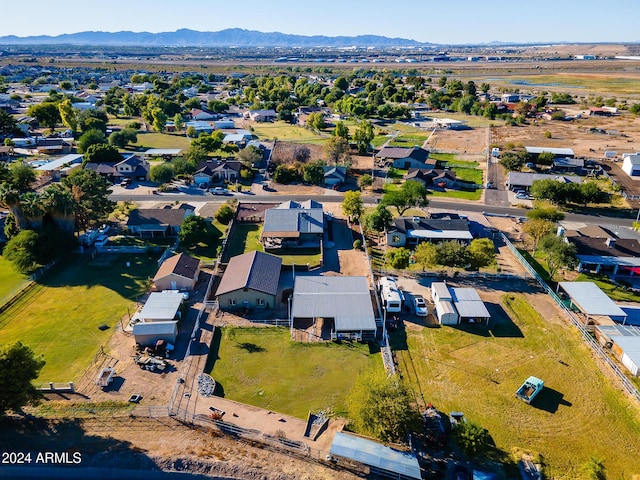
(549, 400)
(105, 269)
(251, 347)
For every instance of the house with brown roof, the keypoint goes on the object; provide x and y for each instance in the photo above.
(179, 272)
(215, 171)
(250, 281)
(602, 251)
(151, 222)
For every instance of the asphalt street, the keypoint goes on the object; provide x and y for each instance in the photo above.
(369, 200)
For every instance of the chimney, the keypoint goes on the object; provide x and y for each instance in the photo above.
(611, 243)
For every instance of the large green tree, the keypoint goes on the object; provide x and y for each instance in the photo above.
(378, 220)
(90, 194)
(313, 173)
(380, 405)
(452, 254)
(8, 124)
(363, 136)
(18, 367)
(88, 138)
(101, 153)
(537, 229)
(558, 253)
(481, 252)
(353, 205)
(337, 150)
(22, 176)
(161, 173)
(46, 113)
(22, 251)
(410, 194)
(68, 114)
(195, 230)
(472, 438)
(426, 255)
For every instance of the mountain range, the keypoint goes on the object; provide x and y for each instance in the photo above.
(231, 37)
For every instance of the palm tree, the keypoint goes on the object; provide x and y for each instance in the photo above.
(10, 198)
(33, 209)
(59, 204)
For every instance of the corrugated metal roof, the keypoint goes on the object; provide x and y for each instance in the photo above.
(345, 299)
(610, 260)
(526, 179)
(555, 151)
(465, 294)
(472, 309)
(441, 289)
(376, 455)
(440, 235)
(255, 270)
(164, 151)
(155, 328)
(61, 162)
(161, 306)
(591, 300)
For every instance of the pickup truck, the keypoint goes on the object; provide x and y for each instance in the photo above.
(530, 389)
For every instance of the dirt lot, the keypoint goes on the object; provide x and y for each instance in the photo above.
(468, 144)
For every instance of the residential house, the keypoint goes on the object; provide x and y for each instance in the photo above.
(602, 251)
(334, 307)
(293, 224)
(157, 221)
(334, 175)
(631, 164)
(106, 170)
(568, 164)
(523, 181)
(217, 171)
(250, 281)
(133, 167)
(410, 231)
(261, 115)
(224, 123)
(404, 158)
(178, 272)
(164, 153)
(198, 114)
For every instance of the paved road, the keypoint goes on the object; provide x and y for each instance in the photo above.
(337, 198)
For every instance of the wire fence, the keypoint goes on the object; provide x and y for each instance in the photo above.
(586, 335)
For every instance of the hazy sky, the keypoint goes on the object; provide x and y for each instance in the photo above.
(461, 21)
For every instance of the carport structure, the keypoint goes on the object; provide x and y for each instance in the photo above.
(470, 306)
(592, 301)
(381, 460)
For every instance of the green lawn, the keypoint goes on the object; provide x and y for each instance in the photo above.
(469, 175)
(478, 372)
(286, 132)
(450, 160)
(162, 140)
(473, 195)
(608, 287)
(246, 238)
(379, 140)
(10, 279)
(409, 140)
(59, 318)
(262, 367)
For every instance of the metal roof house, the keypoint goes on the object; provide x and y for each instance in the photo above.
(469, 305)
(410, 231)
(381, 460)
(558, 152)
(165, 153)
(337, 307)
(592, 301)
(293, 224)
(625, 344)
(62, 166)
(250, 281)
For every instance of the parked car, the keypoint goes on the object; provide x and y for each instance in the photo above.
(523, 196)
(218, 190)
(420, 306)
(491, 185)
